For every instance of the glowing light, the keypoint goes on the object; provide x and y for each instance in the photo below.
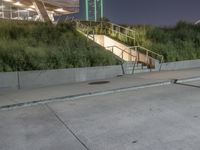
(8, 0)
(18, 3)
(60, 10)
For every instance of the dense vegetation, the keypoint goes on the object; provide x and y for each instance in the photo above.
(37, 46)
(181, 42)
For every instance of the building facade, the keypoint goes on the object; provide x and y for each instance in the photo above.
(37, 10)
(94, 10)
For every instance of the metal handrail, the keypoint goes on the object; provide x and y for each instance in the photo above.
(131, 47)
(131, 30)
(123, 34)
(123, 50)
(101, 22)
(112, 29)
(147, 53)
(126, 35)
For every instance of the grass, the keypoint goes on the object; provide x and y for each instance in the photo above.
(175, 43)
(40, 46)
(180, 42)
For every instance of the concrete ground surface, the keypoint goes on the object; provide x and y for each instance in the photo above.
(158, 118)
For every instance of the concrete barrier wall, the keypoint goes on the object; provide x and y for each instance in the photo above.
(181, 65)
(8, 80)
(29, 79)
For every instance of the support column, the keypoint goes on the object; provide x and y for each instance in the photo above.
(95, 10)
(41, 10)
(86, 10)
(102, 9)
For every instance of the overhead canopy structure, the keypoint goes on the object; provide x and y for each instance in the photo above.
(43, 10)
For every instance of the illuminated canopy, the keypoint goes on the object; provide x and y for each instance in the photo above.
(43, 8)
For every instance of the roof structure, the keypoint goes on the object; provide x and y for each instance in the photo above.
(44, 8)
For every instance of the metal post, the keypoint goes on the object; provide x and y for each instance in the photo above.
(18, 80)
(112, 28)
(101, 8)
(95, 10)
(87, 10)
(2, 10)
(147, 60)
(101, 27)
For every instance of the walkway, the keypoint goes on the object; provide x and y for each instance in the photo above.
(156, 117)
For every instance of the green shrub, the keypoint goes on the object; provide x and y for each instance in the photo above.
(38, 46)
(181, 42)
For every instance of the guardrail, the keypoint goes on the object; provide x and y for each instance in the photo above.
(108, 28)
(149, 53)
(122, 55)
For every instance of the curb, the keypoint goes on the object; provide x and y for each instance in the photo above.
(98, 93)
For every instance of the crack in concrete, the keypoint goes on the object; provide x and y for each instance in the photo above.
(67, 127)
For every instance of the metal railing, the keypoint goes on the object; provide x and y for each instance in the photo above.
(148, 53)
(123, 31)
(108, 28)
(122, 56)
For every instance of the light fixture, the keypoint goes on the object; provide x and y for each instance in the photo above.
(30, 9)
(8, 0)
(60, 10)
(18, 3)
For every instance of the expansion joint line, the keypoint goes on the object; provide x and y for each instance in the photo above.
(67, 127)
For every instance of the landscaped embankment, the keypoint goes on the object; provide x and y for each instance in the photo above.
(40, 46)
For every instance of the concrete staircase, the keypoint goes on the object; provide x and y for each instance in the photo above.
(130, 67)
(40, 8)
(135, 59)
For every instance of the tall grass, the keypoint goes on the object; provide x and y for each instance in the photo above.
(38, 46)
(179, 42)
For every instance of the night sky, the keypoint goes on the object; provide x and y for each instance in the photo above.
(156, 12)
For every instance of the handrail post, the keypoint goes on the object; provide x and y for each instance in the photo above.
(137, 54)
(161, 63)
(147, 53)
(101, 27)
(93, 35)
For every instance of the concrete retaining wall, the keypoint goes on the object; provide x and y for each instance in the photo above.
(29, 79)
(8, 80)
(181, 65)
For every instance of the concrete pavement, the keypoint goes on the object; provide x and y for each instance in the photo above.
(157, 118)
(52, 92)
